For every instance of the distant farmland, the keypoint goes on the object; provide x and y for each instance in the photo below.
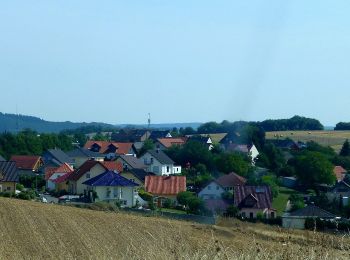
(335, 139)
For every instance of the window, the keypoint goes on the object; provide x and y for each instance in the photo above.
(151, 160)
(243, 214)
(88, 176)
(272, 214)
(251, 215)
(108, 193)
(217, 187)
(167, 169)
(8, 188)
(209, 187)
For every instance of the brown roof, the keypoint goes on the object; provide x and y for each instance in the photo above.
(49, 171)
(87, 166)
(230, 180)
(165, 185)
(168, 142)
(339, 173)
(26, 162)
(257, 197)
(123, 148)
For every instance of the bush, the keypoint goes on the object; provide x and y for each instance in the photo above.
(232, 211)
(145, 195)
(167, 203)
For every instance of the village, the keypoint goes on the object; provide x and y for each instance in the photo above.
(237, 174)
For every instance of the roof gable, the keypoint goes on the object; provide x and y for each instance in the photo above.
(26, 162)
(244, 195)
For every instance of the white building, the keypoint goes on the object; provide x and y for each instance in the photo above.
(159, 163)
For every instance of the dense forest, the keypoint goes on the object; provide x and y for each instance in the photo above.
(294, 123)
(342, 126)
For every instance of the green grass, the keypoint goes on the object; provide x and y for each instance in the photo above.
(279, 203)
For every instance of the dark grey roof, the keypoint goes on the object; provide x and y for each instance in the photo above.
(140, 174)
(155, 134)
(83, 152)
(9, 172)
(312, 211)
(161, 156)
(134, 162)
(60, 156)
(2, 159)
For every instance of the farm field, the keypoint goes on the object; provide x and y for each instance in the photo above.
(335, 139)
(31, 230)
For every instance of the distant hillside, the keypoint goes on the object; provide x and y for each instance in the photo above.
(162, 126)
(13, 123)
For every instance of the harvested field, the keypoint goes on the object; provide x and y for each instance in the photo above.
(335, 139)
(31, 230)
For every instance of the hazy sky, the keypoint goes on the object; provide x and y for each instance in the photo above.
(180, 60)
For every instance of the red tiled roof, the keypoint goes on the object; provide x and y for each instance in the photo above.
(165, 185)
(168, 142)
(25, 162)
(123, 148)
(49, 171)
(63, 178)
(113, 166)
(230, 180)
(64, 168)
(339, 173)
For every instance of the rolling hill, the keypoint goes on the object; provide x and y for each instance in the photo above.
(31, 230)
(14, 123)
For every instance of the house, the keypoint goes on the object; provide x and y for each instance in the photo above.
(165, 187)
(131, 136)
(296, 219)
(205, 140)
(212, 191)
(130, 162)
(247, 149)
(159, 134)
(81, 155)
(251, 200)
(56, 157)
(111, 187)
(231, 180)
(159, 163)
(230, 138)
(216, 188)
(62, 183)
(340, 192)
(88, 170)
(136, 175)
(110, 148)
(27, 165)
(9, 176)
(339, 173)
(165, 143)
(216, 138)
(285, 144)
(52, 175)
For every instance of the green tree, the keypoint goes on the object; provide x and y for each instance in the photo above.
(147, 145)
(314, 168)
(232, 162)
(345, 150)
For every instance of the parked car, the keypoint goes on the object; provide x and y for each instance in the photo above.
(68, 198)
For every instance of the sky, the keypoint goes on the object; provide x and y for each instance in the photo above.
(116, 61)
